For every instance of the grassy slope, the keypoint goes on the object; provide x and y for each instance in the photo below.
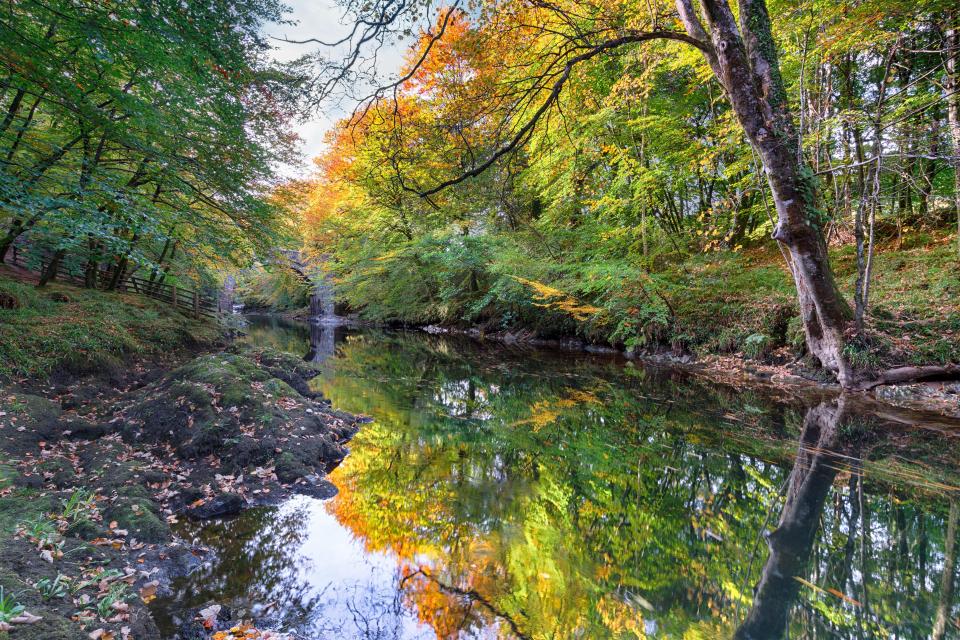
(914, 300)
(63, 328)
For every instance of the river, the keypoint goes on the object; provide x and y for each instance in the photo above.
(521, 493)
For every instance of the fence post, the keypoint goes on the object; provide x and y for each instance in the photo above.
(173, 289)
(196, 304)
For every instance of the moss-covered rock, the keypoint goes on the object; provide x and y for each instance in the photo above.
(243, 407)
(58, 471)
(289, 469)
(28, 419)
(138, 516)
(22, 505)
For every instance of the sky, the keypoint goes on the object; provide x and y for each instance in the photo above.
(319, 19)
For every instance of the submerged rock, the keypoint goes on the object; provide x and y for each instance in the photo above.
(221, 506)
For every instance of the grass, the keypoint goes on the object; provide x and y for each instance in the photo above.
(63, 328)
(724, 300)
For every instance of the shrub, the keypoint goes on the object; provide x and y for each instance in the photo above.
(757, 345)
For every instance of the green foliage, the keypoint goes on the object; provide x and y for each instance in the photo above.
(795, 336)
(53, 588)
(118, 593)
(756, 345)
(139, 135)
(278, 289)
(9, 607)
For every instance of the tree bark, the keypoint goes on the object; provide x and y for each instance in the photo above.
(50, 273)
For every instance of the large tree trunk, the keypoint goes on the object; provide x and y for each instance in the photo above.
(747, 67)
(50, 273)
(8, 239)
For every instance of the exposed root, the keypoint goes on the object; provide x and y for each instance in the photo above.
(899, 375)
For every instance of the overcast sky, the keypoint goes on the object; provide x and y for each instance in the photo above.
(319, 19)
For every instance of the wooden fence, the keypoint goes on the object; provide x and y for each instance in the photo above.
(189, 301)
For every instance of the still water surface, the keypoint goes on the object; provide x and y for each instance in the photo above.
(528, 494)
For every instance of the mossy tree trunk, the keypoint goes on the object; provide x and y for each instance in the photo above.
(744, 59)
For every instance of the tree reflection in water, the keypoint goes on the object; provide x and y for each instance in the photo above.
(526, 495)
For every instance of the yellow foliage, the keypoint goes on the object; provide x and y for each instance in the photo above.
(555, 299)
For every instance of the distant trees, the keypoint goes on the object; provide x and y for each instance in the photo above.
(133, 134)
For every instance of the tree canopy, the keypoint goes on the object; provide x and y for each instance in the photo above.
(141, 134)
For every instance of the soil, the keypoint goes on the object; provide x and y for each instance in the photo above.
(94, 472)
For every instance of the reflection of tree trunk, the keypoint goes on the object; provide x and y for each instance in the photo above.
(946, 581)
(322, 343)
(792, 541)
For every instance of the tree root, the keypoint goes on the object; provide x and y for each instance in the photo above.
(899, 375)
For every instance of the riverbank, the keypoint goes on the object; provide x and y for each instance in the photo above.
(120, 418)
(90, 496)
(941, 397)
(62, 331)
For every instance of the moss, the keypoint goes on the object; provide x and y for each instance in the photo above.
(138, 517)
(67, 329)
(289, 469)
(39, 417)
(61, 471)
(21, 505)
(279, 388)
(7, 475)
(757, 345)
(795, 335)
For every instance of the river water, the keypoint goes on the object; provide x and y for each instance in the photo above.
(517, 493)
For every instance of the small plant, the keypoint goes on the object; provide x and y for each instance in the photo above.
(796, 337)
(95, 578)
(51, 588)
(42, 533)
(80, 505)
(119, 592)
(756, 345)
(9, 607)
(36, 530)
(862, 351)
(79, 512)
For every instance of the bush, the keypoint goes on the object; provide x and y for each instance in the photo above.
(795, 336)
(757, 346)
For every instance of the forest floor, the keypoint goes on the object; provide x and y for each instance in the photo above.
(119, 417)
(721, 300)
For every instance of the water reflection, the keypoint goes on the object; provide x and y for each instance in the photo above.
(820, 458)
(314, 340)
(520, 494)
